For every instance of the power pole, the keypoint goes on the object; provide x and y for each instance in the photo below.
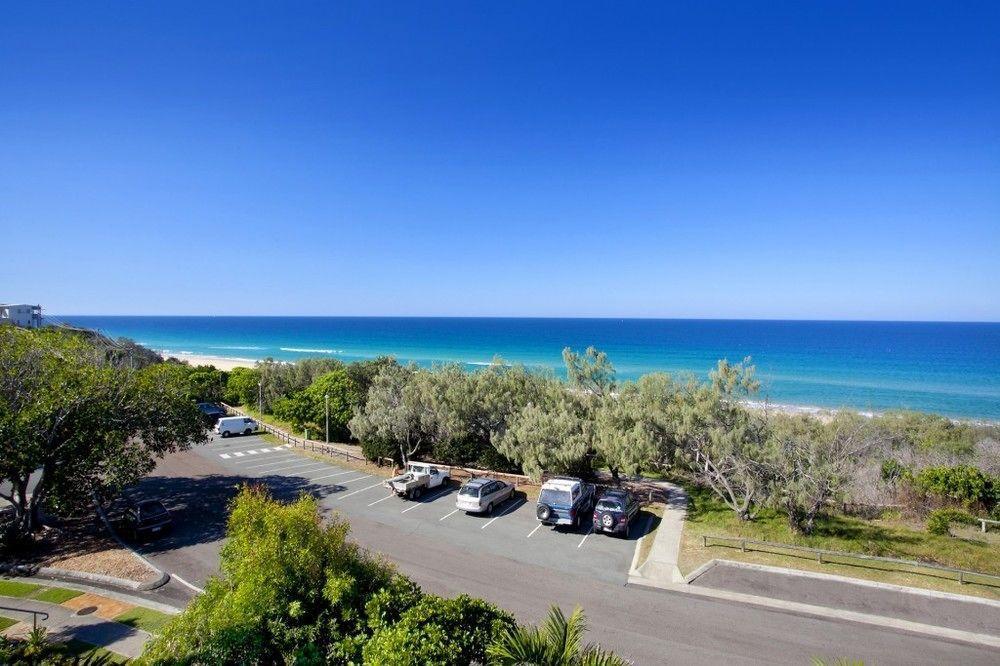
(326, 401)
(260, 396)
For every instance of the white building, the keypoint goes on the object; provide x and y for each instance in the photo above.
(20, 314)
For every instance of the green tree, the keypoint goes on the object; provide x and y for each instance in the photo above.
(558, 642)
(242, 386)
(555, 436)
(77, 425)
(308, 408)
(810, 463)
(590, 371)
(206, 383)
(391, 416)
(722, 441)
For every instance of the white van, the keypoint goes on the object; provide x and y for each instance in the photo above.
(235, 425)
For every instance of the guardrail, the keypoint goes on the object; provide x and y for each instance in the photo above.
(854, 559)
(34, 614)
(986, 521)
(298, 442)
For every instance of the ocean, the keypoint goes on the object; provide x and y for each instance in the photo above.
(947, 368)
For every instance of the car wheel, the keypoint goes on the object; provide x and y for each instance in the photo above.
(416, 493)
(248, 431)
(224, 433)
(489, 509)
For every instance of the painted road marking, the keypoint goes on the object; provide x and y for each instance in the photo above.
(426, 501)
(589, 532)
(359, 491)
(301, 464)
(534, 530)
(508, 510)
(238, 454)
(450, 514)
(366, 476)
(329, 476)
(225, 455)
(272, 462)
(389, 496)
(252, 452)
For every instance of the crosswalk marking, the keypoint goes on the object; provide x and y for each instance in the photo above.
(238, 454)
(225, 455)
(252, 452)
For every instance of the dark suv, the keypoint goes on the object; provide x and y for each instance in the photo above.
(615, 512)
(146, 519)
(211, 412)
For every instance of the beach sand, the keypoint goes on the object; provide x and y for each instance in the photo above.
(219, 362)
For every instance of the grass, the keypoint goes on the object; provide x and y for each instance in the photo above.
(708, 515)
(6, 622)
(146, 619)
(15, 588)
(56, 595)
(83, 650)
(53, 595)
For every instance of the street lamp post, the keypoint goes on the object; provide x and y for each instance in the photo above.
(260, 396)
(326, 401)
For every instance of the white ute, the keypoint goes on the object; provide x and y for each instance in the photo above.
(417, 478)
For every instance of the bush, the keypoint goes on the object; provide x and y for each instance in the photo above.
(439, 631)
(961, 483)
(939, 521)
(242, 386)
(376, 449)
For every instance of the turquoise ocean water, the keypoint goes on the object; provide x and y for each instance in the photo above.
(948, 368)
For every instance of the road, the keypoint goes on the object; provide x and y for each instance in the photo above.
(507, 561)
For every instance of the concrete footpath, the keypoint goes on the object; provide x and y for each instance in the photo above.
(660, 565)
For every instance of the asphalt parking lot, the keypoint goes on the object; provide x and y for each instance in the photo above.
(512, 531)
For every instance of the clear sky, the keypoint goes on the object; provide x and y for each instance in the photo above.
(698, 159)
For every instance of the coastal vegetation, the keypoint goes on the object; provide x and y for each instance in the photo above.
(81, 418)
(712, 433)
(295, 590)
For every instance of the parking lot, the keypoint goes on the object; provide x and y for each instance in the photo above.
(512, 531)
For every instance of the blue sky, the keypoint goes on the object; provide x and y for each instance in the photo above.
(764, 160)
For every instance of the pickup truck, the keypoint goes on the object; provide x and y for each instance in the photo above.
(417, 478)
(565, 500)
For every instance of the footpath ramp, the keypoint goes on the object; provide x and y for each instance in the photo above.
(981, 616)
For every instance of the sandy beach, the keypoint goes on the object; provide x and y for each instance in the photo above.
(219, 362)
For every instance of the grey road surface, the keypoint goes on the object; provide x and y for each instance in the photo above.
(507, 559)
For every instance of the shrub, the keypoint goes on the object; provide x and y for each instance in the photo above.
(376, 449)
(439, 631)
(961, 483)
(242, 386)
(939, 521)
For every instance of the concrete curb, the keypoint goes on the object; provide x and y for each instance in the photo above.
(159, 582)
(936, 594)
(111, 594)
(826, 613)
(661, 562)
(56, 573)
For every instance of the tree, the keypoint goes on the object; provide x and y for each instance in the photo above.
(308, 408)
(722, 441)
(206, 383)
(391, 415)
(591, 371)
(73, 424)
(554, 436)
(363, 374)
(810, 463)
(622, 436)
(558, 642)
(242, 386)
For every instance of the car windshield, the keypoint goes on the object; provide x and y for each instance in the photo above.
(609, 505)
(151, 510)
(553, 496)
(470, 491)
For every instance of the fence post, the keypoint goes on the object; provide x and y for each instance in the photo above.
(704, 540)
(743, 545)
(819, 557)
(961, 578)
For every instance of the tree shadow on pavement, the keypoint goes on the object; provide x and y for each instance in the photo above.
(199, 506)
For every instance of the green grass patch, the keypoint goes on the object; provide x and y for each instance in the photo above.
(6, 622)
(15, 588)
(56, 595)
(82, 650)
(146, 619)
(708, 515)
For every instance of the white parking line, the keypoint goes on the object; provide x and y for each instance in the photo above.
(252, 452)
(296, 465)
(291, 456)
(225, 455)
(389, 496)
(238, 454)
(505, 512)
(450, 514)
(374, 485)
(366, 476)
(589, 532)
(426, 501)
(534, 530)
(330, 476)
